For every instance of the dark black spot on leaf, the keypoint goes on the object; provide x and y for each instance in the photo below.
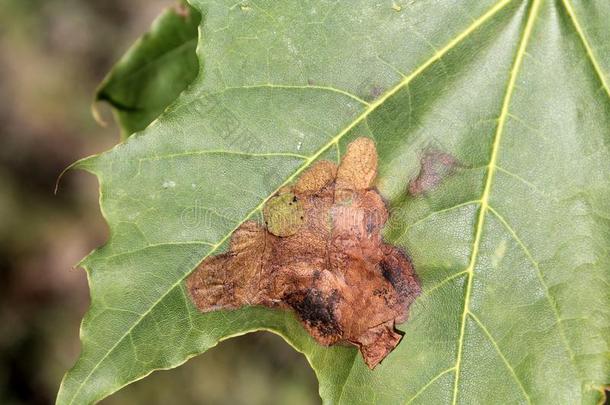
(316, 309)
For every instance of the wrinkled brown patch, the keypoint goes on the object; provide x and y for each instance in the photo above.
(435, 166)
(321, 254)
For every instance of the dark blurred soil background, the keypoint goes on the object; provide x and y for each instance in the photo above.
(53, 53)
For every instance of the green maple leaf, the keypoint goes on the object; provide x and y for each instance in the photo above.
(511, 245)
(157, 68)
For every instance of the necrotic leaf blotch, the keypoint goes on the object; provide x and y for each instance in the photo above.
(321, 255)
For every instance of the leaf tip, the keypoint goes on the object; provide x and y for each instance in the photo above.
(82, 164)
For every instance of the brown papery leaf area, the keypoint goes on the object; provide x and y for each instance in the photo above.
(321, 255)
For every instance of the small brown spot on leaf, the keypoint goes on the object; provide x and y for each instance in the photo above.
(435, 166)
(376, 91)
(322, 256)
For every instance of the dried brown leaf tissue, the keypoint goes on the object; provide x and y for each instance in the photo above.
(320, 253)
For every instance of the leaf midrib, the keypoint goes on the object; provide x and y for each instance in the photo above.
(334, 141)
(491, 168)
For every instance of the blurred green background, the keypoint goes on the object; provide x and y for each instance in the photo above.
(53, 54)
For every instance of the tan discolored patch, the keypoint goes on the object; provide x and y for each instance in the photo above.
(435, 166)
(358, 168)
(322, 256)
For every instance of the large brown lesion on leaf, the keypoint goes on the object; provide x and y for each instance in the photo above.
(321, 255)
